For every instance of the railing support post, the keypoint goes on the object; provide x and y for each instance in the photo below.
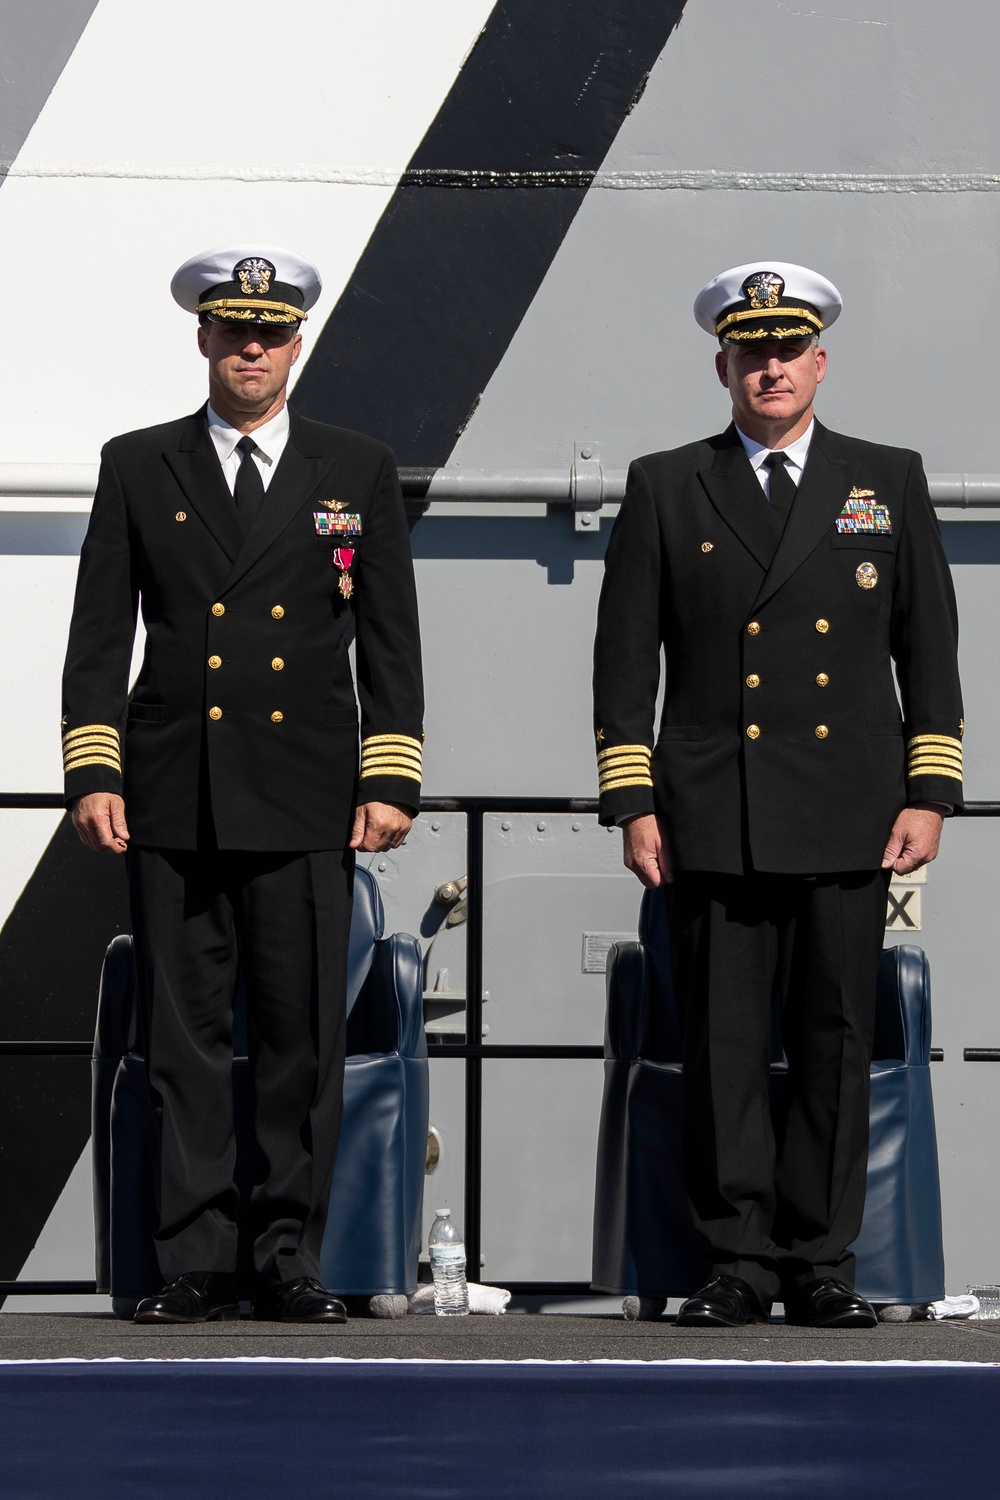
(474, 1034)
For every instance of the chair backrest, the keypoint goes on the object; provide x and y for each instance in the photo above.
(626, 1017)
(903, 1007)
(367, 928)
(390, 1017)
(115, 1033)
(639, 974)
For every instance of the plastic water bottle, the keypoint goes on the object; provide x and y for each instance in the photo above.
(447, 1253)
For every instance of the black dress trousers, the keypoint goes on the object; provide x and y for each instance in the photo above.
(777, 1212)
(285, 917)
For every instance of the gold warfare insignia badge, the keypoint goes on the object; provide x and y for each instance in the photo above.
(254, 275)
(763, 289)
(867, 575)
(334, 505)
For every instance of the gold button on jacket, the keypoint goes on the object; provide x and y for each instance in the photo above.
(821, 731)
(276, 664)
(277, 716)
(215, 713)
(822, 679)
(218, 609)
(215, 661)
(822, 626)
(753, 680)
(753, 731)
(753, 628)
(278, 612)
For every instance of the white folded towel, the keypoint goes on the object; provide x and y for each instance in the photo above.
(955, 1307)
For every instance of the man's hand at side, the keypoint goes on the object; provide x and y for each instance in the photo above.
(379, 826)
(99, 819)
(914, 839)
(646, 851)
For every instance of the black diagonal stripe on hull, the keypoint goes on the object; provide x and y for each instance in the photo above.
(51, 950)
(44, 1125)
(451, 269)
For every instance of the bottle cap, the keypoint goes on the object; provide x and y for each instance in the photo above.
(442, 1213)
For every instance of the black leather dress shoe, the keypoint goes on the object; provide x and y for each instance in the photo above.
(303, 1301)
(195, 1297)
(726, 1302)
(828, 1304)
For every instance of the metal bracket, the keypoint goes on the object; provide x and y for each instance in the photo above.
(586, 486)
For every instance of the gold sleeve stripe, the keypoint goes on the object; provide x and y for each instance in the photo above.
(391, 755)
(614, 782)
(931, 753)
(91, 760)
(390, 770)
(396, 752)
(375, 763)
(622, 766)
(72, 762)
(104, 731)
(404, 740)
(934, 755)
(624, 773)
(388, 752)
(935, 739)
(616, 750)
(934, 768)
(92, 742)
(92, 745)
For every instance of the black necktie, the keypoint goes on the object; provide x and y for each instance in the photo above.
(780, 489)
(249, 492)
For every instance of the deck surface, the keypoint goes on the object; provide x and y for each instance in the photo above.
(509, 1337)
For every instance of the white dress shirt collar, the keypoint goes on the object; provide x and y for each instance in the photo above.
(269, 444)
(795, 454)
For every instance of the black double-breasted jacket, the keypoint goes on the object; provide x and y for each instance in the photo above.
(242, 729)
(782, 744)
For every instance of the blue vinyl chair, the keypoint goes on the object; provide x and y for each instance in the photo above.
(372, 1239)
(644, 1241)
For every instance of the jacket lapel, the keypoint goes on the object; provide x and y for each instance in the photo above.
(195, 465)
(823, 488)
(735, 491)
(295, 480)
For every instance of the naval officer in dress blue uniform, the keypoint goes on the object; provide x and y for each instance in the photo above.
(256, 546)
(783, 570)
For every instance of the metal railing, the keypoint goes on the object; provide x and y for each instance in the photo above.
(472, 1053)
(585, 483)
